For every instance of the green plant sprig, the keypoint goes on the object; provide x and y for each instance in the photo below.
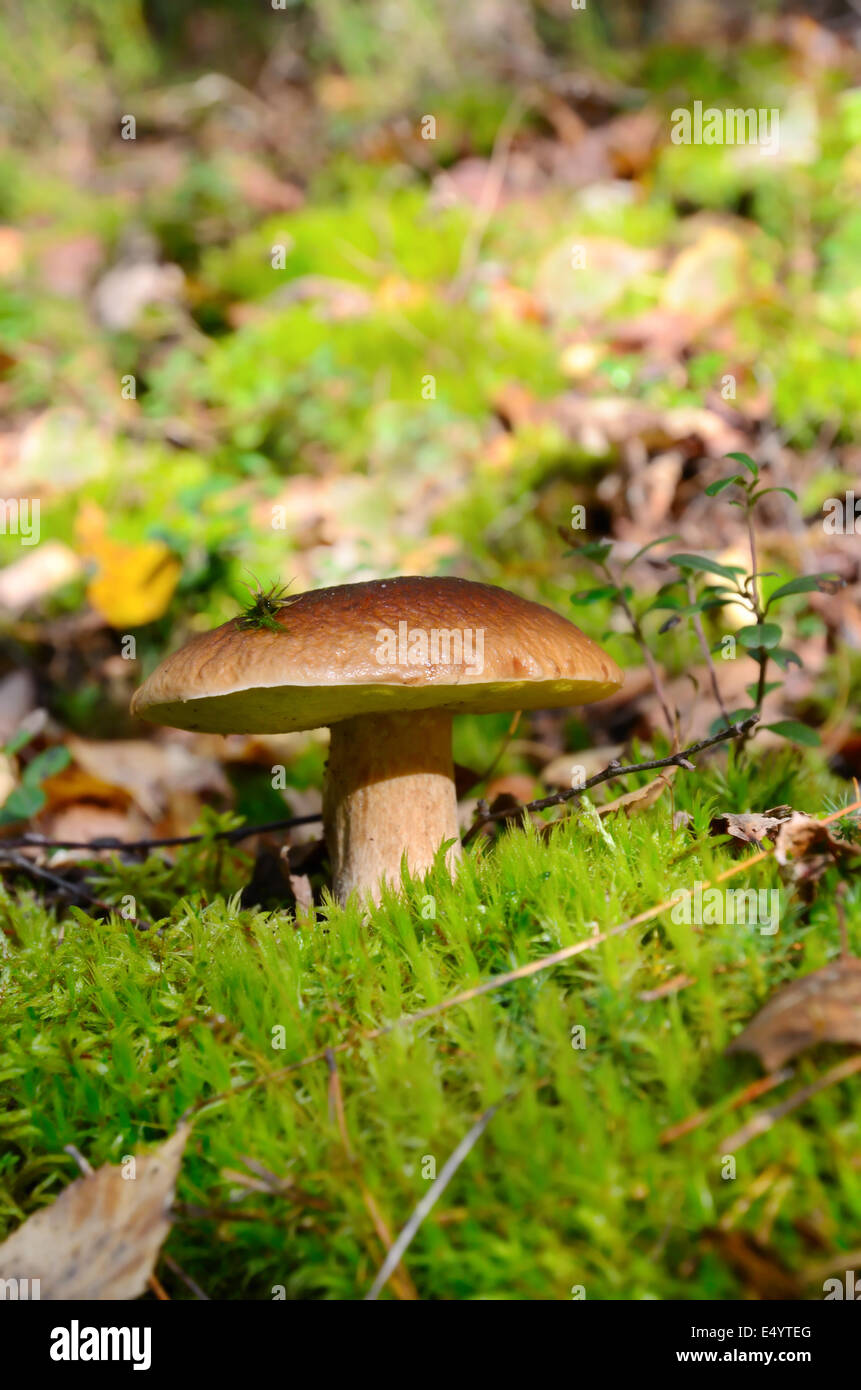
(761, 637)
(264, 607)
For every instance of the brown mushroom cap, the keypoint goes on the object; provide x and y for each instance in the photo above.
(324, 667)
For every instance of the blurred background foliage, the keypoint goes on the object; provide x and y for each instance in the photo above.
(279, 297)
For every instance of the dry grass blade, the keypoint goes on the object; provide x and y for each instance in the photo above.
(702, 1117)
(401, 1281)
(428, 1202)
(764, 1121)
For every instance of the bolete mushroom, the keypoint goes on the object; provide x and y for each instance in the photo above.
(384, 665)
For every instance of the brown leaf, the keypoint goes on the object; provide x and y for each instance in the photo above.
(585, 763)
(632, 803)
(124, 291)
(147, 772)
(805, 849)
(801, 835)
(822, 1007)
(751, 828)
(608, 267)
(101, 1237)
(601, 422)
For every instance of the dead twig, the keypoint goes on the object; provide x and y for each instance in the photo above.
(26, 866)
(489, 198)
(107, 842)
(613, 769)
(767, 1118)
(743, 1097)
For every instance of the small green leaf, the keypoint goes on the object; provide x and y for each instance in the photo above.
(700, 563)
(738, 716)
(594, 550)
(784, 658)
(746, 461)
(19, 740)
(714, 488)
(763, 492)
(753, 689)
(46, 764)
(798, 733)
(662, 540)
(586, 596)
(22, 803)
(805, 584)
(759, 635)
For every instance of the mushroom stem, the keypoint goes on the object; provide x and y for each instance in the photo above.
(389, 793)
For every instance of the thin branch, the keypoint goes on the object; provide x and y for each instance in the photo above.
(428, 1202)
(512, 730)
(759, 614)
(754, 572)
(107, 842)
(494, 181)
(612, 770)
(75, 890)
(190, 1283)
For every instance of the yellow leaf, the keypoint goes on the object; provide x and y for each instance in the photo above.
(133, 584)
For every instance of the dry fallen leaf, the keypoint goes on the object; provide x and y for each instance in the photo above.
(805, 849)
(148, 773)
(632, 803)
(606, 267)
(751, 828)
(124, 291)
(101, 1237)
(822, 1007)
(560, 771)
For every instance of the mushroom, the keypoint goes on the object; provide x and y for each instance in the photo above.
(385, 665)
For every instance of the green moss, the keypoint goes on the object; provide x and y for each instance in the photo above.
(112, 1033)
